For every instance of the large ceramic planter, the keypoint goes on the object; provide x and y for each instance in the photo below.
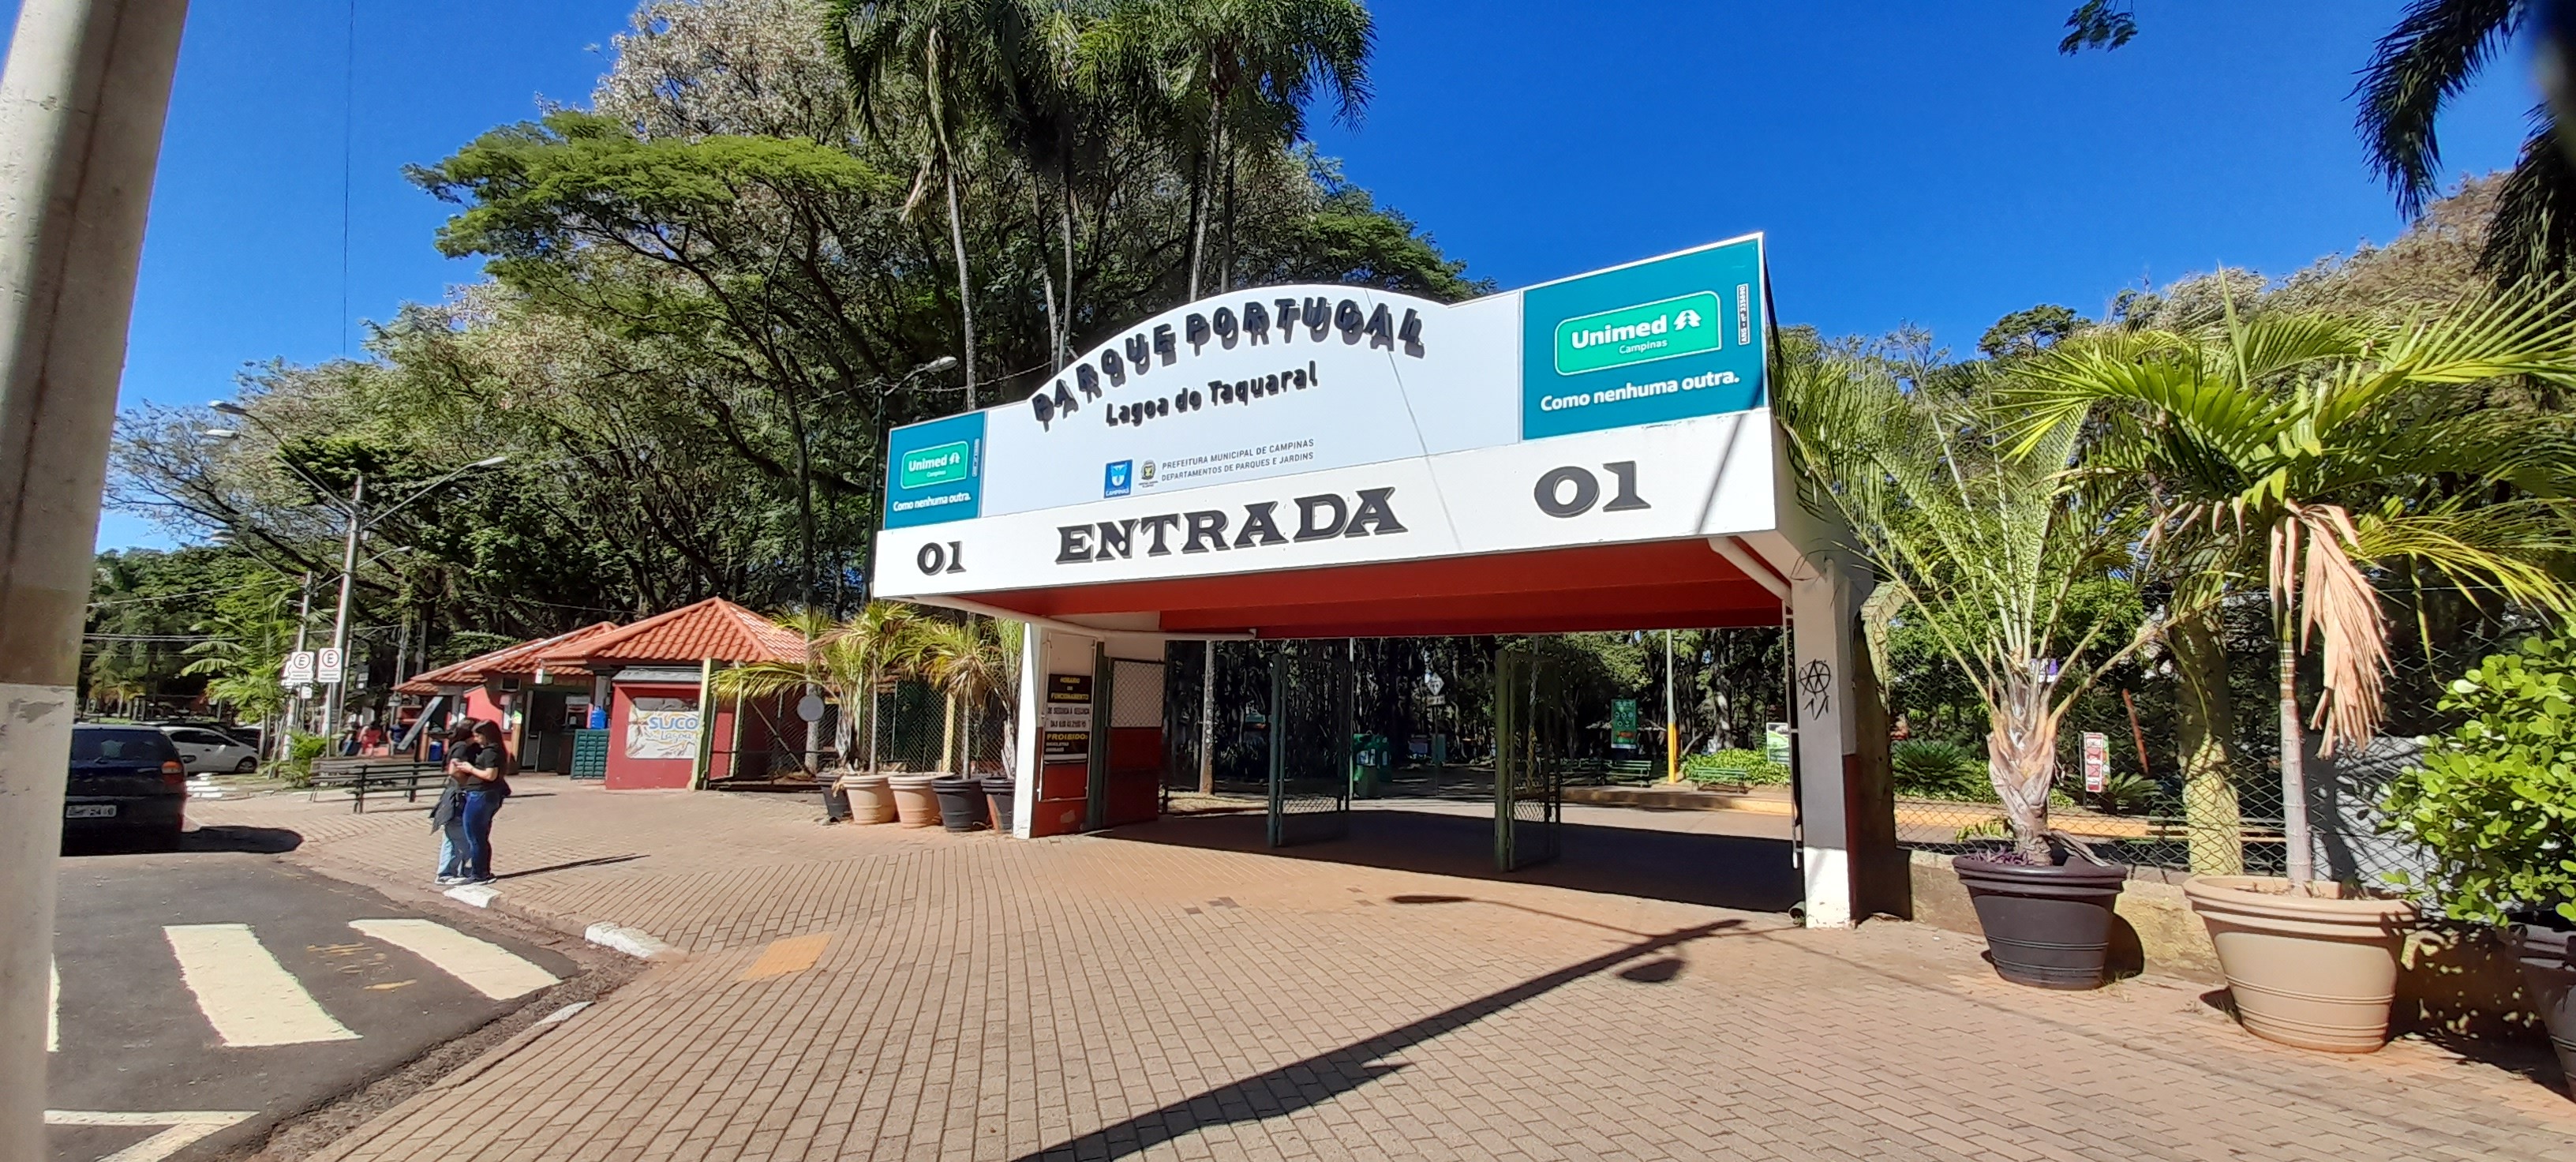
(2315, 971)
(961, 803)
(999, 792)
(871, 801)
(2046, 926)
(915, 803)
(2548, 959)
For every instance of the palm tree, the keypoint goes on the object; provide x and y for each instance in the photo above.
(947, 48)
(1987, 545)
(2436, 49)
(1231, 69)
(975, 664)
(849, 659)
(245, 652)
(2307, 450)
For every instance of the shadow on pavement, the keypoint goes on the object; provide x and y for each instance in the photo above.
(256, 840)
(1723, 871)
(1321, 1078)
(602, 861)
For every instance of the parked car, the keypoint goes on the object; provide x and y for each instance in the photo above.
(127, 782)
(203, 750)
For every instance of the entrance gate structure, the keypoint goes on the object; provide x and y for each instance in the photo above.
(1311, 464)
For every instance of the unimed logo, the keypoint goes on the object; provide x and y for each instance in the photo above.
(932, 467)
(1118, 479)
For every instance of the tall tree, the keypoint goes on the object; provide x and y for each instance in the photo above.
(1240, 74)
(1987, 546)
(2303, 450)
(948, 49)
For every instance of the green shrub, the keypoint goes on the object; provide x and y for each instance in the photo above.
(1734, 766)
(301, 750)
(1933, 769)
(2495, 800)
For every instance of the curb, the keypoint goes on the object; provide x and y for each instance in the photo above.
(620, 938)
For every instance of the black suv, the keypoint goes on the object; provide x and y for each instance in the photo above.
(127, 782)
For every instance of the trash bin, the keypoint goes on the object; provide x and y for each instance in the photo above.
(998, 793)
(961, 803)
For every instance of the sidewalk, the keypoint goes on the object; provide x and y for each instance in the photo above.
(875, 992)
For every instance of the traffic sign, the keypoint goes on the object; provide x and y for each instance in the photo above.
(2097, 762)
(326, 666)
(299, 668)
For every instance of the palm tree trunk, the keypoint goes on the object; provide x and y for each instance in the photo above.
(1225, 265)
(2205, 726)
(965, 282)
(1064, 354)
(2294, 777)
(948, 734)
(2021, 759)
(1199, 196)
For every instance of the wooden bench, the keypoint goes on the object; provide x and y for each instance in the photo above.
(362, 777)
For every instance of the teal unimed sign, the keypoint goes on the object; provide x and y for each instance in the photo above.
(1666, 339)
(1675, 327)
(931, 467)
(935, 472)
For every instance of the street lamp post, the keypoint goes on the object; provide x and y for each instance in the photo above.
(354, 525)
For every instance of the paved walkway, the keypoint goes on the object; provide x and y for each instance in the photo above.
(872, 992)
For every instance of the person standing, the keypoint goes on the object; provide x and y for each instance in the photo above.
(486, 782)
(447, 817)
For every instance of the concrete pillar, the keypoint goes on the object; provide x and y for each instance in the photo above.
(81, 109)
(1820, 694)
(1031, 740)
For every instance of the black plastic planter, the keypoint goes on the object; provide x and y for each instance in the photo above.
(2548, 958)
(961, 803)
(2046, 926)
(998, 792)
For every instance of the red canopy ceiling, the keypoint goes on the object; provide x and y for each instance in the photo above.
(1598, 587)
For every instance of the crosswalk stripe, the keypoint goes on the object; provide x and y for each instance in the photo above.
(186, 1127)
(787, 956)
(487, 968)
(244, 992)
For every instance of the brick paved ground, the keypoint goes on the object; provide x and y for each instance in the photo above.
(1173, 994)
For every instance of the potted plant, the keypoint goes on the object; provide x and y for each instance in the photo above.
(2494, 804)
(2303, 449)
(2018, 570)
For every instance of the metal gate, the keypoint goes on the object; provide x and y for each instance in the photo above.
(1310, 741)
(1529, 787)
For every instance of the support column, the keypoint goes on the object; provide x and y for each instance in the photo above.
(81, 108)
(1031, 741)
(1820, 695)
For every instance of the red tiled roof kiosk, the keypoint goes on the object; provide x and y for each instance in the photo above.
(655, 675)
(538, 706)
(1311, 462)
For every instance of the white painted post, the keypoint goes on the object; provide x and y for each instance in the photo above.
(1820, 695)
(81, 108)
(1027, 747)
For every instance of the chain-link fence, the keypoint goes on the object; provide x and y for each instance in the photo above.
(912, 727)
(2192, 778)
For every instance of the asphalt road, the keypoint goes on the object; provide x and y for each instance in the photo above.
(222, 982)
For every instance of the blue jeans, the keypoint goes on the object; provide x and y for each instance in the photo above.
(451, 847)
(480, 806)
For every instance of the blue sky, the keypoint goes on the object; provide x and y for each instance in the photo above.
(1937, 164)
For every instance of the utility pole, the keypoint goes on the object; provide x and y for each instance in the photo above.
(303, 617)
(82, 101)
(340, 621)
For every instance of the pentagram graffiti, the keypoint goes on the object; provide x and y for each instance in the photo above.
(1817, 680)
